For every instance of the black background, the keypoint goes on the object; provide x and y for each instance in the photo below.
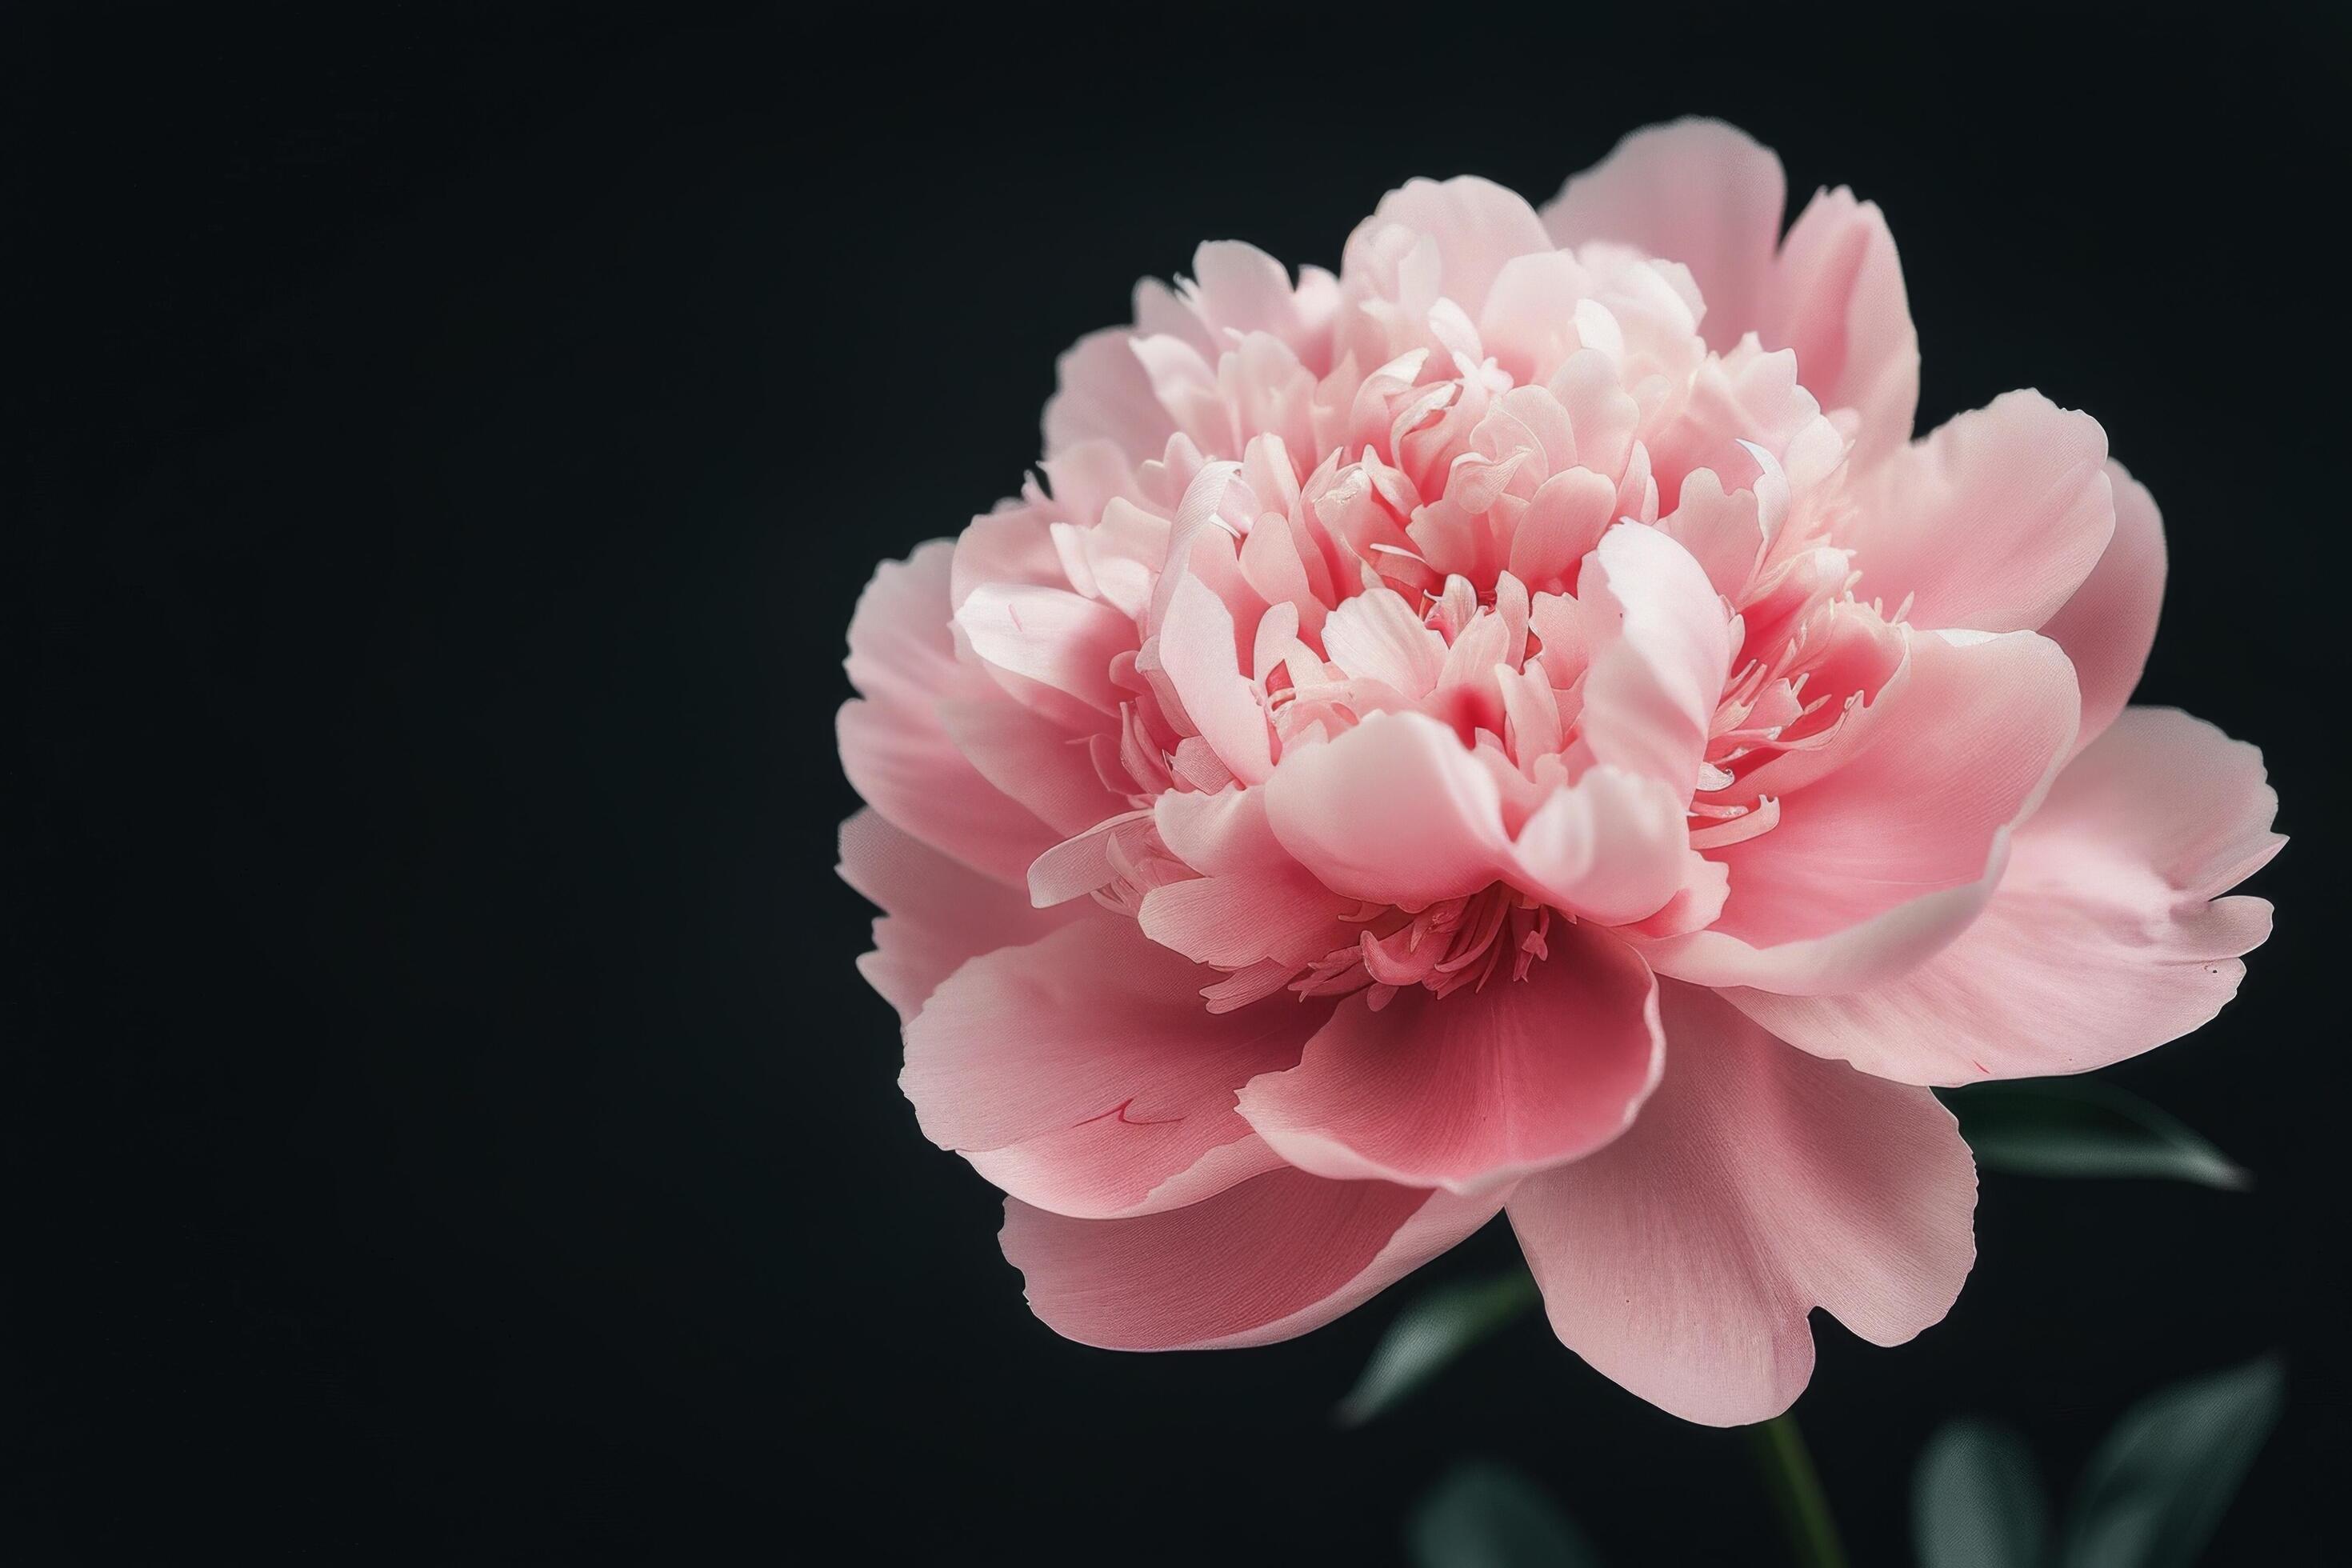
(442, 452)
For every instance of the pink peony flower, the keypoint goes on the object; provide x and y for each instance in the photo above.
(1519, 727)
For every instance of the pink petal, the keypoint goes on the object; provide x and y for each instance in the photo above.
(1698, 192)
(1239, 288)
(1103, 394)
(901, 649)
(897, 757)
(1725, 530)
(1478, 226)
(1084, 1073)
(1058, 641)
(1252, 899)
(1375, 636)
(1758, 1184)
(2109, 625)
(1864, 654)
(1045, 766)
(1612, 847)
(1471, 1090)
(1014, 545)
(2105, 938)
(1530, 320)
(1564, 519)
(1196, 648)
(936, 911)
(1837, 298)
(1992, 522)
(1653, 690)
(1087, 861)
(1877, 866)
(1266, 1260)
(1395, 811)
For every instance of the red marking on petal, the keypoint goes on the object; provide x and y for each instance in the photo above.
(1120, 1111)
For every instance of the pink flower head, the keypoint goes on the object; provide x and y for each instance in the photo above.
(1519, 726)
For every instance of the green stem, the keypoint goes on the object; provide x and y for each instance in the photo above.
(1796, 1489)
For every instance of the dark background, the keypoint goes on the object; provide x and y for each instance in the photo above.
(442, 451)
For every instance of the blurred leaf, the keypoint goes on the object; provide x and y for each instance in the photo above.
(1976, 1501)
(1485, 1515)
(1429, 1334)
(2078, 1127)
(2163, 1478)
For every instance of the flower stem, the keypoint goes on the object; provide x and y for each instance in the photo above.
(1796, 1489)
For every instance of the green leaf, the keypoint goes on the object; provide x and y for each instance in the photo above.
(1429, 1335)
(1485, 1515)
(1976, 1502)
(2078, 1127)
(2161, 1480)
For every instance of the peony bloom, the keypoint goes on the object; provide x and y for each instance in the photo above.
(1520, 727)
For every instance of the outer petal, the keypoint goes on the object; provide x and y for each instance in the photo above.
(1877, 866)
(1030, 758)
(936, 911)
(2105, 938)
(1084, 1073)
(1266, 1260)
(1104, 394)
(1758, 1184)
(2109, 625)
(1837, 298)
(1052, 642)
(902, 659)
(1015, 544)
(1992, 522)
(1697, 191)
(1474, 1089)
